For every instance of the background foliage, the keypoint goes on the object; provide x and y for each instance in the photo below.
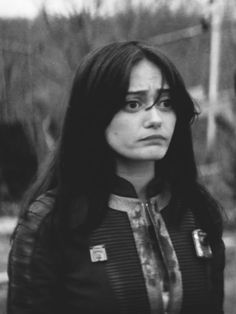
(37, 62)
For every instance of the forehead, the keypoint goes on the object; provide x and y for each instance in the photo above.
(146, 75)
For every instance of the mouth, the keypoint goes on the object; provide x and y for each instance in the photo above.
(153, 138)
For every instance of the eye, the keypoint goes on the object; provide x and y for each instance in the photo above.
(165, 104)
(132, 106)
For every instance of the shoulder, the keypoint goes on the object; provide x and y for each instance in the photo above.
(36, 215)
(39, 210)
(30, 250)
(42, 205)
(31, 229)
(208, 212)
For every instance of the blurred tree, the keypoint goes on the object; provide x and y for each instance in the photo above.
(37, 62)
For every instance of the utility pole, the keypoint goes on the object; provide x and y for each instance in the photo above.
(216, 16)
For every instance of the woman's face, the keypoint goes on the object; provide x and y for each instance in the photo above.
(143, 129)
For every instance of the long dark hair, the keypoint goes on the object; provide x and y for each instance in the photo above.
(82, 169)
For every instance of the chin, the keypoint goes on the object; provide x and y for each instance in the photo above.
(153, 155)
(144, 155)
(154, 158)
(149, 157)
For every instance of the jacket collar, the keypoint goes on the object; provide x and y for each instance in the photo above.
(124, 188)
(122, 191)
(124, 196)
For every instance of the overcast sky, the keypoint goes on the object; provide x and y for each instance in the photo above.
(30, 8)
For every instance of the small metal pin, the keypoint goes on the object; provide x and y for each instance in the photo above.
(98, 253)
(201, 244)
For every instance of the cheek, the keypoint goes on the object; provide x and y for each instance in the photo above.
(119, 134)
(111, 136)
(113, 133)
(172, 125)
(116, 135)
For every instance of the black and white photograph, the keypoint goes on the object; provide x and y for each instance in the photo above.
(117, 156)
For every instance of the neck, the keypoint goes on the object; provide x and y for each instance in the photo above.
(139, 173)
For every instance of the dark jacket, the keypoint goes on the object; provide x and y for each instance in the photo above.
(46, 280)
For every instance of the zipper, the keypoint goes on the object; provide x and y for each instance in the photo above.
(156, 225)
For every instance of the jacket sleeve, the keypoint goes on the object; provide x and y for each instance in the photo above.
(31, 266)
(218, 265)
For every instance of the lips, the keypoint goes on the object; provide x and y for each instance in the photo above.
(154, 138)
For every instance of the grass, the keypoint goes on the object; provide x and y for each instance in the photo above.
(230, 273)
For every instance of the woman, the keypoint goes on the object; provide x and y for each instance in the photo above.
(119, 223)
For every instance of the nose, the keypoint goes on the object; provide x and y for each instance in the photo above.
(153, 118)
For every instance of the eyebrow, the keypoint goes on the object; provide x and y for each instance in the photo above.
(144, 91)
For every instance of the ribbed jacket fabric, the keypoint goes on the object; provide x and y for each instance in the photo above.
(41, 283)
